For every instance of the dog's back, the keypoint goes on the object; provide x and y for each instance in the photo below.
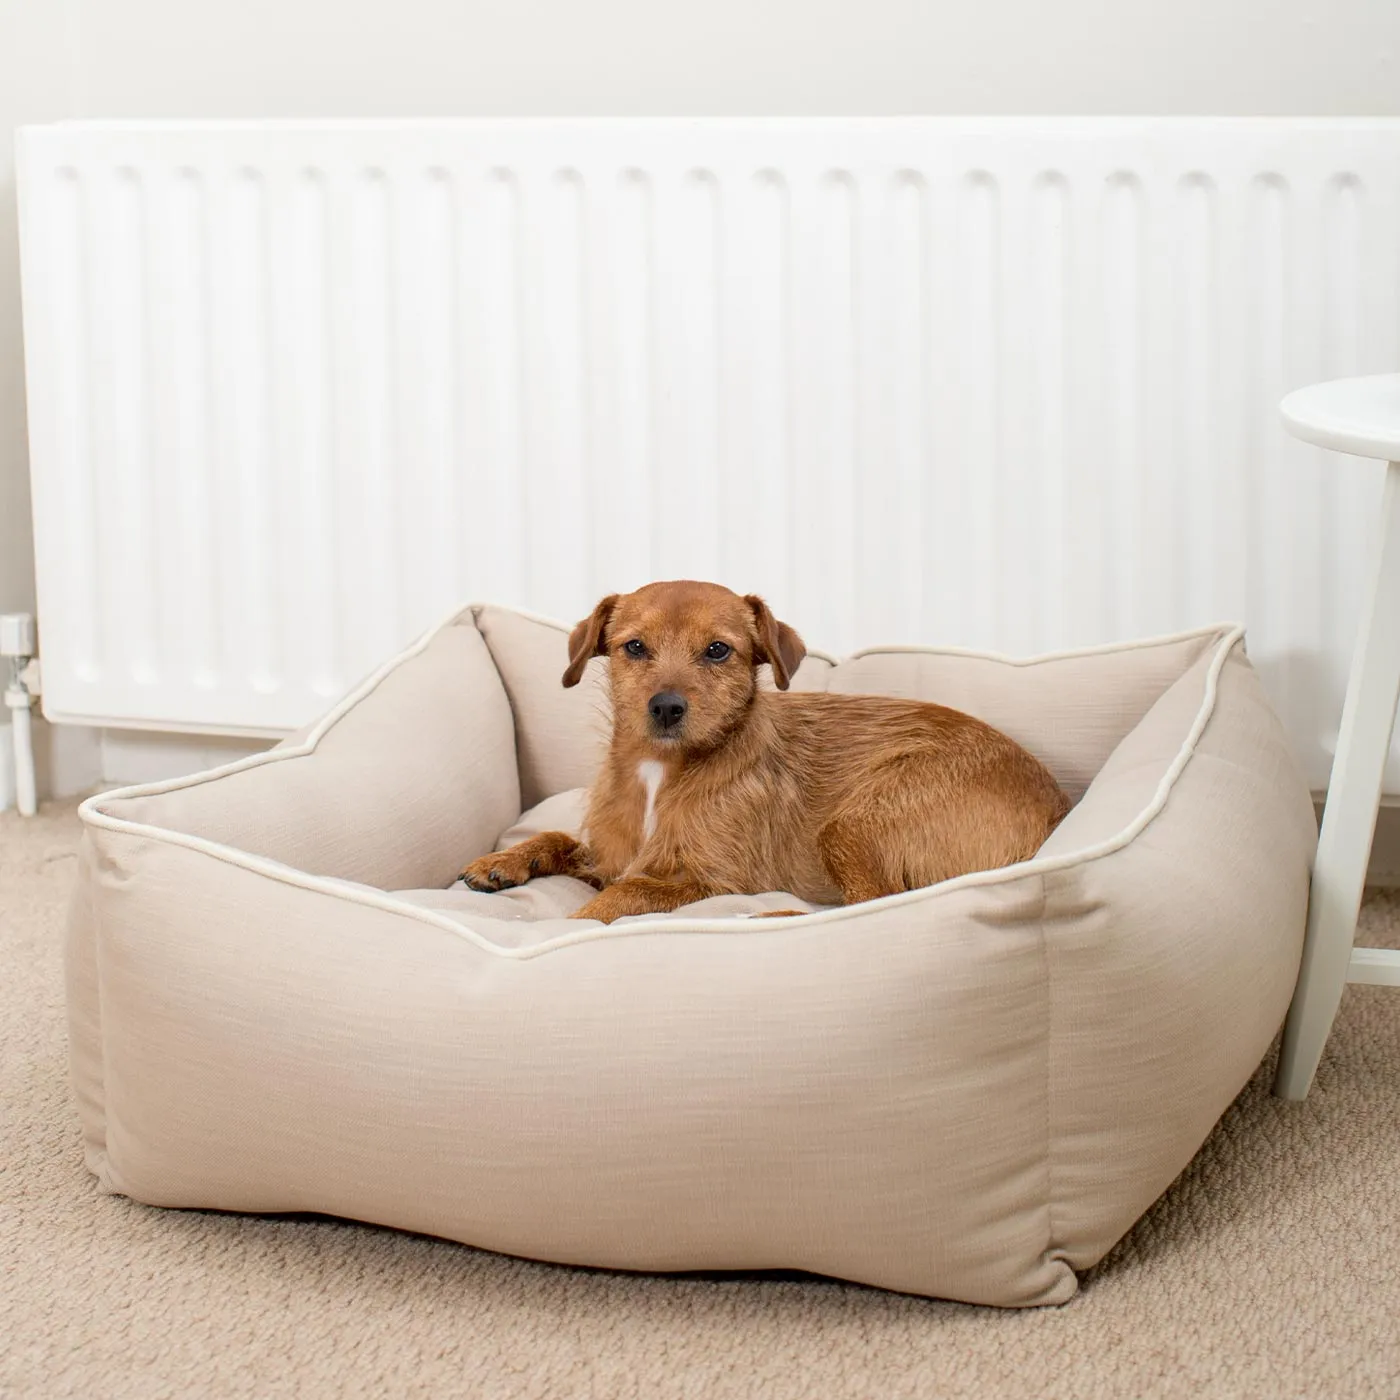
(901, 794)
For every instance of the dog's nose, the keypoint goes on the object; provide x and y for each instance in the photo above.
(667, 709)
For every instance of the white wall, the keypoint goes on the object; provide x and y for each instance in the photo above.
(389, 57)
(189, 58)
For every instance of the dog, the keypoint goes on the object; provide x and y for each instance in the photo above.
(714, 784)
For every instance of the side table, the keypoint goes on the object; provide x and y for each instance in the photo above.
(1360, 417)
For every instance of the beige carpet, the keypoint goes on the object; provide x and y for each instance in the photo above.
(1271, 1268)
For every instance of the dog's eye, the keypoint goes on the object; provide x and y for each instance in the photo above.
(635, 649)
(717, 651)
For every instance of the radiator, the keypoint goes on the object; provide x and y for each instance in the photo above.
(297, 389)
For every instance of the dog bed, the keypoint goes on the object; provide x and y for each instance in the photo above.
(970, 1091)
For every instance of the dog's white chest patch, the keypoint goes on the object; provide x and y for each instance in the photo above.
(650, 774)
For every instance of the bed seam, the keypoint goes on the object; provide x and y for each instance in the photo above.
(88, 876)
(1049, 1252)
(1053, 1248)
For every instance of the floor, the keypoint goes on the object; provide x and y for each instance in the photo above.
(1271, 1268)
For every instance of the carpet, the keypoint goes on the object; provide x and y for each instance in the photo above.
(1270, 1268)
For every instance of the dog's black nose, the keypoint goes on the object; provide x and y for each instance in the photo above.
(667, 709)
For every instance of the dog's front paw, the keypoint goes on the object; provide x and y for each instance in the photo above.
(502, 870)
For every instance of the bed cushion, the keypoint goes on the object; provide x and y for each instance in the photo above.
(969, 1091)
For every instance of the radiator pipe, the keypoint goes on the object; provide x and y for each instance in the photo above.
(17, 643)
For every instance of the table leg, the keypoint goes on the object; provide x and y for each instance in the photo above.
(1349, 818)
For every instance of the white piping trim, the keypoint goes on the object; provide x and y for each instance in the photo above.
(92, 814)
(1101, 649)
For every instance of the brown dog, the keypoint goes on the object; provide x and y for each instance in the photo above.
(714, 786)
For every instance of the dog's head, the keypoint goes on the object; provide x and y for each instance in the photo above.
(682, 659)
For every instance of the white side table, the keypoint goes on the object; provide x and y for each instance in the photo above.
(1362, 417)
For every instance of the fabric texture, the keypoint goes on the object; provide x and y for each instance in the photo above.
(969, 1091)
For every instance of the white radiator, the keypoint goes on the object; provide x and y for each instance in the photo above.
(296, 389)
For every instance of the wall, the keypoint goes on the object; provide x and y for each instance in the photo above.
(171, 58)
(375, 58)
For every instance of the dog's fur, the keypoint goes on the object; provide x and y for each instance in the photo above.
(835, 798)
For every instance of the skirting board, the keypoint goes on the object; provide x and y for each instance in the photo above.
(137, 756)
(75, 759)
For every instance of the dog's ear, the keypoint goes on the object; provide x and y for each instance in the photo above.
(586, 640)
(778, 644)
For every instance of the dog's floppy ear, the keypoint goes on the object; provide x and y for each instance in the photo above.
(778, 644)
(586, 640)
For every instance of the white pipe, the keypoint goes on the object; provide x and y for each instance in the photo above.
(18, 645)
(26, 798)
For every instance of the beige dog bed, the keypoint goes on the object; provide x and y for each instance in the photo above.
(969, 1091)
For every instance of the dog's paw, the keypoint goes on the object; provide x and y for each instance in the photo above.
(502, 870)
